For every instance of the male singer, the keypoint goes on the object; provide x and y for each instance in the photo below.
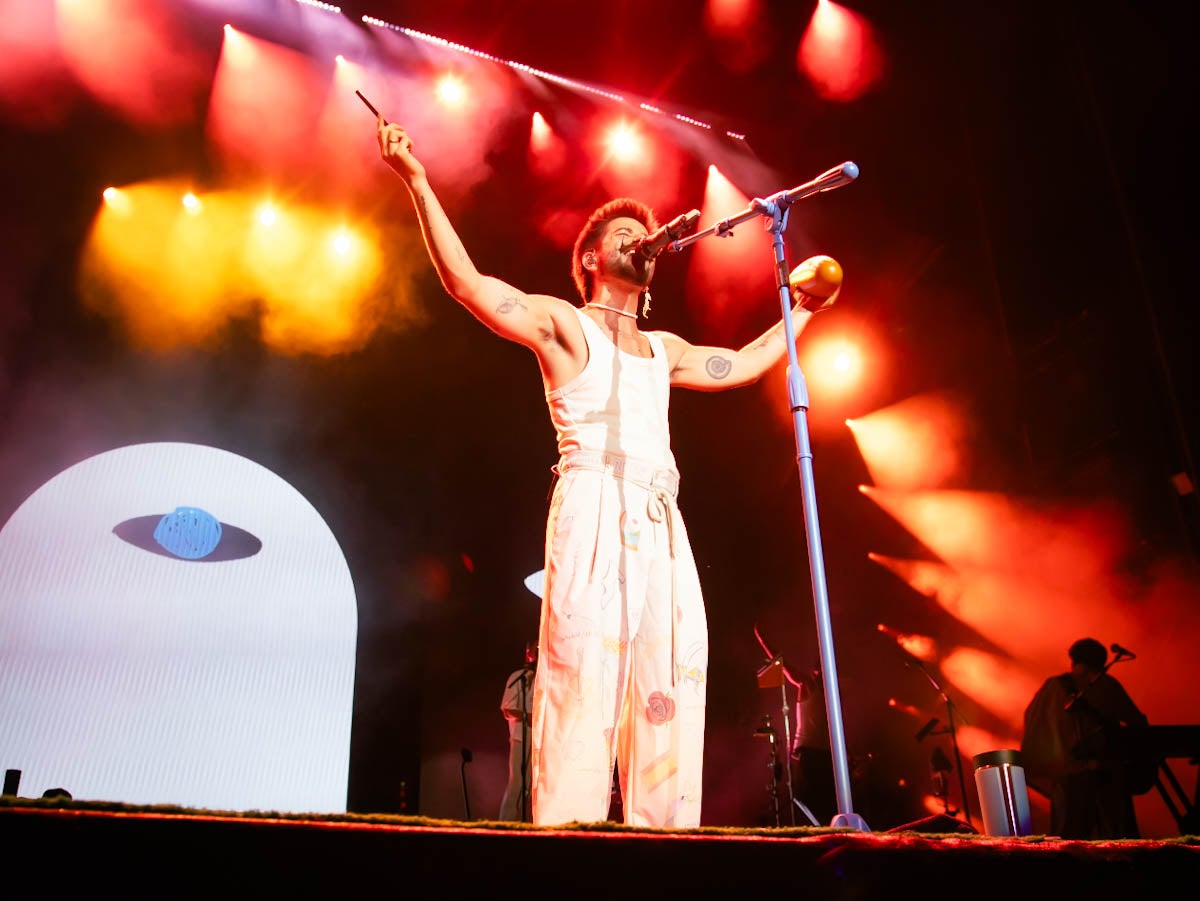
(623, 638)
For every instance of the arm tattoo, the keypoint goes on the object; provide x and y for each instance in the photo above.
(510, 303)
(718, 367)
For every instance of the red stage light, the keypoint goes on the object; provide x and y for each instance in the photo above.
(624, 142)
(838, 53)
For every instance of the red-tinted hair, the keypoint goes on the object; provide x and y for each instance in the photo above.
(593, 231)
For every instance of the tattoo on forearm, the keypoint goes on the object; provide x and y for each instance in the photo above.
(718, 367)
(461, 252)
(510, 303)
(421, 201)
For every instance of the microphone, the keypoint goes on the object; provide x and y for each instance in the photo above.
(652, 245)
(826, 181)
(926, 729)
(1122, 652)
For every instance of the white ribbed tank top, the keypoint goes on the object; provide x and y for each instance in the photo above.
(618, 403)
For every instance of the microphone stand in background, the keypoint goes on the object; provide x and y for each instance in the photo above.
(950, 730)
(774, 210)
(773, 675)
(467, 757)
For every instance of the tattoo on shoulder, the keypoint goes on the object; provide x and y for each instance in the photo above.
(510, 303)
(718, 367)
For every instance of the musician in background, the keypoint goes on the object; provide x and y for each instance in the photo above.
(1077, 751)
(813, 759)
(516, 704)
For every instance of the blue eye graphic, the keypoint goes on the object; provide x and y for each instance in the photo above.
(188, 533)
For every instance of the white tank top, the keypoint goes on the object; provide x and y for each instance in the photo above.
(618, 402)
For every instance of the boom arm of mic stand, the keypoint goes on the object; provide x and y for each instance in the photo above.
(826, 181)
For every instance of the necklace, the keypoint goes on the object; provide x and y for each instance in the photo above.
(601, 306)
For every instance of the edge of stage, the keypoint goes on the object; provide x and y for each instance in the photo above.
(126, 845)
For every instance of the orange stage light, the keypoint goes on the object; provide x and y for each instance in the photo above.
(833, 366)
(920, 442)
(1031, 579)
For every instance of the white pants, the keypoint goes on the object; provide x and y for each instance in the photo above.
(623, 654)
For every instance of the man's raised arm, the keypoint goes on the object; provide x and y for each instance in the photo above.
(507, 311)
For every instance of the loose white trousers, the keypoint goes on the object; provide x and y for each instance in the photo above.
(623, 651)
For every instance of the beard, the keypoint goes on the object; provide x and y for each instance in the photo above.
(631, 268)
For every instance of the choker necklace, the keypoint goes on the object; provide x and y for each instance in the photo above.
(601, 306)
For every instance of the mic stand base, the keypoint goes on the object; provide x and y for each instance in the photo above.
(851, 821)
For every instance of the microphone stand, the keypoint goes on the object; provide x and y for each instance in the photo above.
(950, 730)
(466, 758)
(770, 674)
(775, 209)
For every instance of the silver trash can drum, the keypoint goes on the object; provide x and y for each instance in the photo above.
(1003, 796)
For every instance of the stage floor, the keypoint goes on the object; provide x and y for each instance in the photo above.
(176, 850)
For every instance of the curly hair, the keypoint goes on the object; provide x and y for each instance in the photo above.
(593, 230)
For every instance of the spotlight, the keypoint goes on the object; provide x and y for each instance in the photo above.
(117, 200)
(624, 142)
(191, 203)
(451, 91)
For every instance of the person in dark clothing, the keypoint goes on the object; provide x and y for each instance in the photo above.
(1079, 748)
(812, 759)
(516, 704)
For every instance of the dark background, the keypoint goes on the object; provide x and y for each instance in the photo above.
(1019, 235)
